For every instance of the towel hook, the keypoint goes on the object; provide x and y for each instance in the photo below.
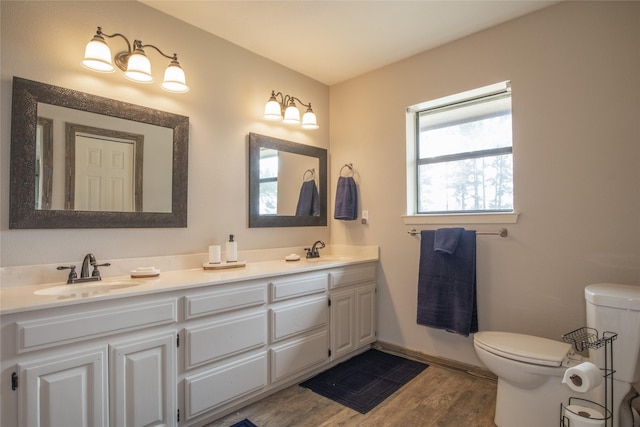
(347, 165)
(310, 171)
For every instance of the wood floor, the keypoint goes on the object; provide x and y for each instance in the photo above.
(438, 397)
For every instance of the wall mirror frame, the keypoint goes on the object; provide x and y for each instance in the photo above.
(256, 144)
(23, 213)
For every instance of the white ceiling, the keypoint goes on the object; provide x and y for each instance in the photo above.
(332, 41)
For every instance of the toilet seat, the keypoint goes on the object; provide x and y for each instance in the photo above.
(523, 348)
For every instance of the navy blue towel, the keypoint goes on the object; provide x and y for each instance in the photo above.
(446, 239)
(447, 285)
(309, 201)
(346, 199)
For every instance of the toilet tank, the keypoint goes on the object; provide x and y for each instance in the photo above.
(616, 308)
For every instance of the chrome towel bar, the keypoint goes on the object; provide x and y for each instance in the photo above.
(503, 232)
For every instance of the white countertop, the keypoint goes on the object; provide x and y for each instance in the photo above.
(23, 298)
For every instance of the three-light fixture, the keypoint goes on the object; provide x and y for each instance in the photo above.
(287, 111)
(133, 62)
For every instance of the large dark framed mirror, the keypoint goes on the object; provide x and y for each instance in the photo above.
(128, 162)
(287, 183)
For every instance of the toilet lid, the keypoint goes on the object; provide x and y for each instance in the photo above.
(523, 348)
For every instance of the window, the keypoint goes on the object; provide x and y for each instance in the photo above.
(268, 181)
(463, 153)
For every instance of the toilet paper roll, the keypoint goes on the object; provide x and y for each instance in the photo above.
(583, 377)
(581, 416)
(214, 254)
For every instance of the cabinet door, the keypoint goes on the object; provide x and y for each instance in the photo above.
(365, 315)
(143, 382)
(69, 391)
(342, 323)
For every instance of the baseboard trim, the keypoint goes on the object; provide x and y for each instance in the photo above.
(435, 360)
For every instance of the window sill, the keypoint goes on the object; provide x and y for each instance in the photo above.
(475, 218)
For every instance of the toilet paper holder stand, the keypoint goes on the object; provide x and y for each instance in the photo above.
(588, 338)
(581, 408)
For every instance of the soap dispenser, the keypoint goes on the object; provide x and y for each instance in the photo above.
(232, 250)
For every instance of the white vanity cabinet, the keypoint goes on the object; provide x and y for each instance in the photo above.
(184, 356)
(90, 365)
(353, 308)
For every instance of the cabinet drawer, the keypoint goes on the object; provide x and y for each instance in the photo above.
(298, 318)
(352, 275)
(48, 332)
(294, 357)
(214, 388)
(221, 301)
(283, 289)
(225, 338)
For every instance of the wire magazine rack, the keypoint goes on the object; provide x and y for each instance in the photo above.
(588, 338)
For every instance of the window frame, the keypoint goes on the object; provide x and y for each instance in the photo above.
(413, 162)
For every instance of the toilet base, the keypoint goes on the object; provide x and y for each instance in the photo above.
(517, 407)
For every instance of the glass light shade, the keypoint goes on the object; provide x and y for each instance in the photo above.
(138, 67)
(174, 79)
(309, 120)
(273, 110)
(97, 56)
(292, 114)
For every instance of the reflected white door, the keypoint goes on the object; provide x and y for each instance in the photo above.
(104, 175)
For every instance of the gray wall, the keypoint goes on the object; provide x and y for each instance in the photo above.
(575, 73)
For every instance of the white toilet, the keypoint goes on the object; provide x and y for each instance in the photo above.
(530, 369)
(616, 308)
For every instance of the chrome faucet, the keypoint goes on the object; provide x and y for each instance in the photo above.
(89, 259)
(312, 252)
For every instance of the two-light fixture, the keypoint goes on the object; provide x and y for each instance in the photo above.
(287, 111)
(133, 62)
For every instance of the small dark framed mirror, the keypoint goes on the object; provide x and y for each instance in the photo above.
(56, 131)
(287, 183)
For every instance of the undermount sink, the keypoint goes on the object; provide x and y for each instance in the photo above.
(90, 288)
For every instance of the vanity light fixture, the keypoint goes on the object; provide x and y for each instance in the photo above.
(134, 62)
(274, 111)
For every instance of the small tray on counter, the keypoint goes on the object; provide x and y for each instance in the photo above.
(223, 265)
